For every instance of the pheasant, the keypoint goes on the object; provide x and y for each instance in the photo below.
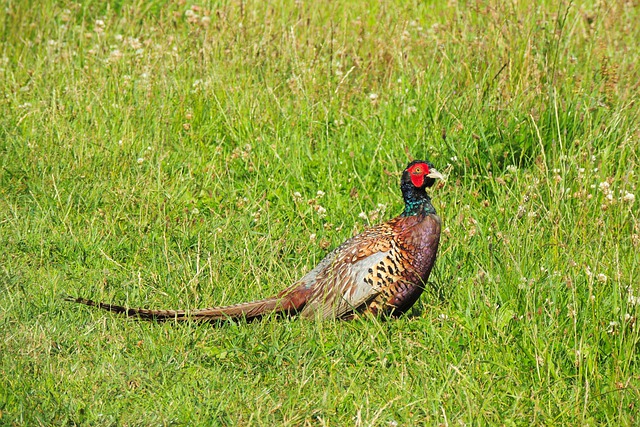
(381, 271)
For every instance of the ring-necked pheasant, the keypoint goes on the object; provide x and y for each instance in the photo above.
(382, 270)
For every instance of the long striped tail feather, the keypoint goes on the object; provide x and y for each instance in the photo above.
(248, 310)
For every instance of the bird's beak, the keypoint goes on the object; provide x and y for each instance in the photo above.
(435, 174)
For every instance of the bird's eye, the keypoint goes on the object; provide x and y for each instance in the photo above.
(417, 170)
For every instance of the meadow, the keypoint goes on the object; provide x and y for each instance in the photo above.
(179, 154)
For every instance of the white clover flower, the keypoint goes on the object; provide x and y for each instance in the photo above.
(115, 54)
(629, 197)
(140, 160)
(320, 193)
(602, 278)
(134, 43)
(362, 215)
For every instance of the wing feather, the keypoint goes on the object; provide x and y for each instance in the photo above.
(347, 277)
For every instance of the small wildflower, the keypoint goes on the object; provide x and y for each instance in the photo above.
(115, 55)
(140, 160)
(512, 169)
(362, 215)
(297, 195)
(312, 237)
(602, 278)
(320, 193)
(633, 299)
(612, 326)
(134, 43)
(373, 96)
(321, 211)
(629, 197)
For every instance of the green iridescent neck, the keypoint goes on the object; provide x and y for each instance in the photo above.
(417, 202)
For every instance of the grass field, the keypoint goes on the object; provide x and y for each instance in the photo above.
(182, 155)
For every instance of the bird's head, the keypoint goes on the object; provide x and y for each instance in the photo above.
(420, 174)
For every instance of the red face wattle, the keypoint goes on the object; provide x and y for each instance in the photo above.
(417, 173)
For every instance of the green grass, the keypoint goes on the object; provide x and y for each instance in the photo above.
(151, 156)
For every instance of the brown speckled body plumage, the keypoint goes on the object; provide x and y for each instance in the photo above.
(381, 271)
